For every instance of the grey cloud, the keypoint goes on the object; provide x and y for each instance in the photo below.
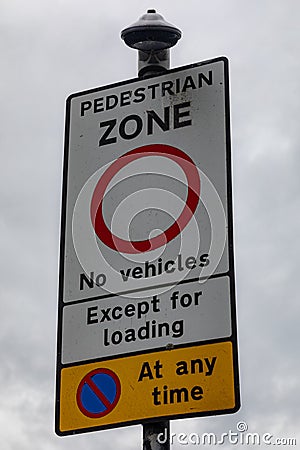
(51, 49)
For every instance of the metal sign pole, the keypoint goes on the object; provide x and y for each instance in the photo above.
(152, 36)
(156, 435)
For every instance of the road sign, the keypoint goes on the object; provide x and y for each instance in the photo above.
(193, 186)
(165, 384)
(98, 393)
(146, 296)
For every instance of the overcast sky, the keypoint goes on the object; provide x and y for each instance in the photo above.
(50, 49)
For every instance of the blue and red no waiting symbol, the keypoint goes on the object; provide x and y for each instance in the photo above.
(98, 393)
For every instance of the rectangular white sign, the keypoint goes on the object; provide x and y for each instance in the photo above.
(147, 213)
(109, 327)
(115, 198)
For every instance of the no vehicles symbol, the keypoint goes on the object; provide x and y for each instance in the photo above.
(98, 393)
(192, 199)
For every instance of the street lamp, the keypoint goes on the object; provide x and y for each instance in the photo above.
(152, 36)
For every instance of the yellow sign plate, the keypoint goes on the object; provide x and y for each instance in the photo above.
(182, 382)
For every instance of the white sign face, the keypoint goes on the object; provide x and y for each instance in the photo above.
(188, 313)
(146, 251)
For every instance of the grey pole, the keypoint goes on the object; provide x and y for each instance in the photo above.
(156, 435)
(153, 37)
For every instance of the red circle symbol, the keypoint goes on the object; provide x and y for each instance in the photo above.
(98, 393)
(193, 195)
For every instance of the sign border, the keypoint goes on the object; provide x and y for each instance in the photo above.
(164, 150)
(230, 272)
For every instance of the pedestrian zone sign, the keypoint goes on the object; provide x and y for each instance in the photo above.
(147, 317)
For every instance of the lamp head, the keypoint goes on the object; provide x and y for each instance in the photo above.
(151, 33)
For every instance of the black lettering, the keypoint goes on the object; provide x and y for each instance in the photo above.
(144, 331)
(139, 126)
(166, 86)
(139, 95)
(153, 117)
(109, 104)
(155, 302)
(98, 105)
(126, 275)
(153, 87)
(156, 394)
(83, 278)
(179, 393)
(167, 264)
(85, 106)
(100, 279)
(197, 393)
(182, 368)
(157, 367)
(125, 98)
(190, 262)
(188, 83)
(130, 335)
(149, 267)
(194, 363)
(129, 310)
(137, 272)
(165, 395)
(142, 309)
(159, 266)
(204, 261)
(161, 327)
(174, 298)
(202, 77)
(176, 395)
(105, 315)
(178, 123)
(177, 328)
(145, 372)
(110, 124)
(91, 313)
(210, 365)
(180, 265)
(196, 297)
(186, 300)
(116, 337)
(114, 314)
(105, 337)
